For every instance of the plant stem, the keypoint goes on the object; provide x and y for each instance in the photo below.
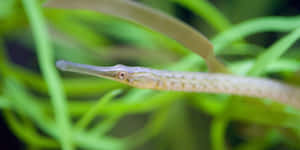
(46, 62)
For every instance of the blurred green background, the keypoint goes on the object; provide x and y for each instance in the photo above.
(42, 108)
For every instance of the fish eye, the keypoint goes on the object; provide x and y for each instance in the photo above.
(122, 75)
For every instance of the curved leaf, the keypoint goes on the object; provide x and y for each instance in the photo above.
(170, 26)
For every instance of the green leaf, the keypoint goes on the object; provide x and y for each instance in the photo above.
(249, 27)
(89, 115)
(6, 8)
(4, 102)
(274, 52)
(46, 62)
(206, 10)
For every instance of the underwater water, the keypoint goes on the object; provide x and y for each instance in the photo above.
(45, 108)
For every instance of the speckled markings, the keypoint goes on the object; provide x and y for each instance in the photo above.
(141, 77)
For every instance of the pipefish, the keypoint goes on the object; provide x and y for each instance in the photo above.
(147, 78)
